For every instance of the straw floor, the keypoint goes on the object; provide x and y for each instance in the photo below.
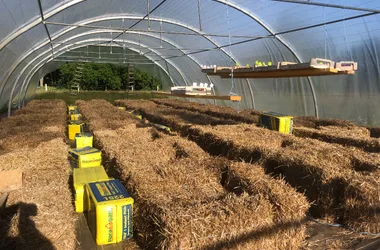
(179, 197)
(40, 215)
(246, 116)
(358, 137)
(328, 174)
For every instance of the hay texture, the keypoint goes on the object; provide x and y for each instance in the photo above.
(36, 122)
(347, 136)
(324, 172)
(173, 117)
(40, 215)
(313, 122)
(179, 200)
(288, 205)
(246, 116)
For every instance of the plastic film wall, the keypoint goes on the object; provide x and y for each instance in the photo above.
(172, 39)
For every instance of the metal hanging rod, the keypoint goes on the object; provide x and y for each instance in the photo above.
(329, 5)
(102, 53)
(280, 33)
(46, 28)
(119, 45)
(101, 61)
(147, 15)
(105, 58)
(153, 31)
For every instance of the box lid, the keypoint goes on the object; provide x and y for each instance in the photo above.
(84, 134)
(75, 112)
(110, 190)
(84, 151)
(82, 176)
(75, 123)
(271, 113)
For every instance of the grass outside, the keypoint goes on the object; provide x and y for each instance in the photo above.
(110, 96)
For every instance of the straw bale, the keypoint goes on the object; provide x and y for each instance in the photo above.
(374, 132)
(173, 117)
(44, 202)
(313, 122)
(288, 205)
(357, 137)
(326, 174)
(157, 167)
(334, 122)
(179, 200)
(107, 115)
(242, 141)
(32, 125)
(351, 131)
(362, 203)
(40, 215)
(247, 116)
(244, 222)
(321, 170)
(46, 154)
(305, 121)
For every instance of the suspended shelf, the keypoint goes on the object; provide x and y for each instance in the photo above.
(234, 98)
(316, 67)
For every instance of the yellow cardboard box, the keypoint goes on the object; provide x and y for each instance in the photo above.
(83, 140)
(276, 121)
(109, 211)
(161, 127)
(86, 157)
(75, 117)
(73, 128)
(71, 108)
(82, 176)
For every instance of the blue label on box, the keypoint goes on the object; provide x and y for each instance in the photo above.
(127, 222)
(108, 190)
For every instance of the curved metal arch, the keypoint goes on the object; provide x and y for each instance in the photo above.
(98, 19)
(116, 17)
(131, 42)
(280, 39)
(53, 11)
(58, 8)
(89, 33)
(132, 32)
(174, 45)
(50, 58)
(103, 40)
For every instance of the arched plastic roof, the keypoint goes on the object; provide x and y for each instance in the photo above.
(173, 38)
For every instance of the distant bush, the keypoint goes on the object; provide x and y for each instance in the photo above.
(101, 77)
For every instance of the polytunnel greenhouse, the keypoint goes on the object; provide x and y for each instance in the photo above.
(259, 128)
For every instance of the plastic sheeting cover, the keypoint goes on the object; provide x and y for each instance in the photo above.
(226, 32)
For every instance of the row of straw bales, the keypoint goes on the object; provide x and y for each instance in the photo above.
(342, 181)
(358, 137)
(185, 199)
(40, 215)
(327, 130)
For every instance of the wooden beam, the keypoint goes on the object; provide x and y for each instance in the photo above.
(280, 73)
(234, 98)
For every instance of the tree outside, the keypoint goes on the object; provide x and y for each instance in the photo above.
(100, 77)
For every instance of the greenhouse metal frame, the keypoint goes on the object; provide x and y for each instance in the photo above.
(172, 39)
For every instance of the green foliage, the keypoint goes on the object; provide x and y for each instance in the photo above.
(101, 77)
